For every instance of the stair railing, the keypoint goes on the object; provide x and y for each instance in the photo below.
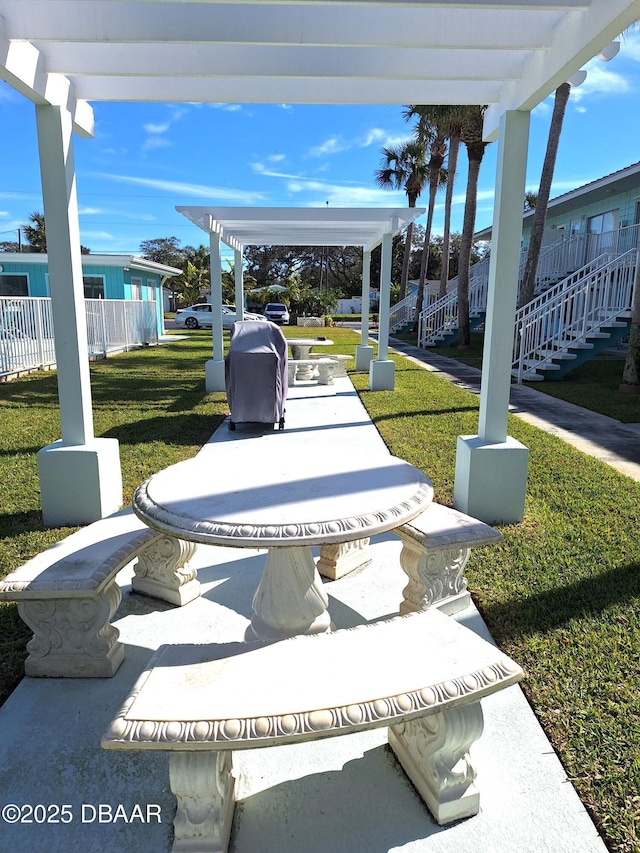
(403, 312)
(569, 311)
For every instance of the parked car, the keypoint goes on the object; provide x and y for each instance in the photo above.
(277, 312)
(200, 317)
(248, 315)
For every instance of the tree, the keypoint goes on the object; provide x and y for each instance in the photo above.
(36, 235)
(164, 250)
(631, 374)
(270, 265)
(404, 167)
(453, 117)
(542, 201)
(472, 138)
(530, 201)
(433, 135)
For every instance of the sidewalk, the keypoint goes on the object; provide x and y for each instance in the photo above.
(597, 435)
(341, 795)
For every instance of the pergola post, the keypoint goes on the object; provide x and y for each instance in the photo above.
(382, 370)
(491, 467)
(237, 274)
(214, 368)
(364, 352)
(80, 475)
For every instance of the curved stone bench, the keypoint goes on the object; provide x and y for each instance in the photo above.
(68, 594)
(340, 359)
(422, 675)
(436, 546)
(304, 369)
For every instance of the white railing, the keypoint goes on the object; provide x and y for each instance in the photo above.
(27, 339)
(403, 312)
(567, 313)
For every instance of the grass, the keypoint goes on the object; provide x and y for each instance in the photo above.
(153, 401)
(593, 385)
(561, 593)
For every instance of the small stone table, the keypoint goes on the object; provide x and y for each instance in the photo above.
(226, 499)
(300, 349)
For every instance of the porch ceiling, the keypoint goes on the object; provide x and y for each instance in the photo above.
(308, 226)
(508, 55)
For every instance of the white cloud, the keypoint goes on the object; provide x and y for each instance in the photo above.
(228, 108)
(157, 128)
(89, 211)
(276, 158)
(178, 188)
(602, 79)
(155, 142)
(333, 145)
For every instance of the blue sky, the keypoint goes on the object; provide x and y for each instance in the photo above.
(147, 158)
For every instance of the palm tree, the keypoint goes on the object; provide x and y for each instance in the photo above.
(472, 138)
(35, 233)
(434, 135)
(542, 201)
(454, 117)
(404, 167)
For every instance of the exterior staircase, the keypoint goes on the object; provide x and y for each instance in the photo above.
(402, 314)
(560, 271)
(574, 320)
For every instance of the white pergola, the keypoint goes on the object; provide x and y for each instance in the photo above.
(310, 226)
(507, 54)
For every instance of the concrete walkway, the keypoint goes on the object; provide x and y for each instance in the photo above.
(606, 439)
(341, 795)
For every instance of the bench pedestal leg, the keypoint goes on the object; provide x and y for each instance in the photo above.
(434, 578)
(162, 571)
(73, 637)
(290, 598)
(204, 787)
(338, 560)
(434, 754)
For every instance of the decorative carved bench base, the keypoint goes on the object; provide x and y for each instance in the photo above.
(305, 369)
(435, 549)
(68, 595)
(338, 560)
(201, 703)
(162, 571)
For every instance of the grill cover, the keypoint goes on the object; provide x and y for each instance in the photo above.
(256, 376)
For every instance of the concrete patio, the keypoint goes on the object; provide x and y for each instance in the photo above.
(343, 794)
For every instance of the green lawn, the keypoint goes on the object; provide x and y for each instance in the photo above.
(561, 594)
(594, 385)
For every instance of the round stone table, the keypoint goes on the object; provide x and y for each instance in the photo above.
(225, 499)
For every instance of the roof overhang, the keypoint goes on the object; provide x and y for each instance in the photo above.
(92, 260)
(506, 54)
(301, 226)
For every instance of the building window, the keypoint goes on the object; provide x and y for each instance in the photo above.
(602, 223)
(14, 284)
(136, 288)
(150, 289)
(576, 226)
(93, 286)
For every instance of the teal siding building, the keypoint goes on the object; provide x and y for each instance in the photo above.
(126, 277)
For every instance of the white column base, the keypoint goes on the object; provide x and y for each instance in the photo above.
(491, 479)
(79, 483)
(382, 376)
(364, 357)
(214, 375)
